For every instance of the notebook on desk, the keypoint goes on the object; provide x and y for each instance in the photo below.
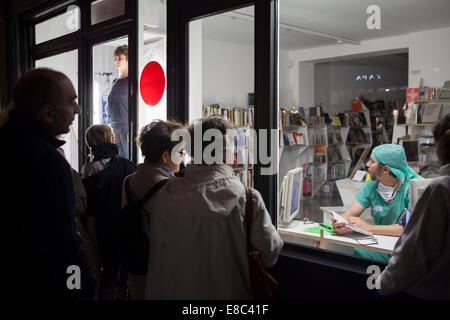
(339, 218)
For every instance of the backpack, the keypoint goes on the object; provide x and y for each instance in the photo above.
(135, 229)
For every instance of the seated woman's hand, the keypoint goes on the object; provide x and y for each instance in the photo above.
(339, 227)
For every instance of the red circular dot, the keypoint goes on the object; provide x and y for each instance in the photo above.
(152, 83)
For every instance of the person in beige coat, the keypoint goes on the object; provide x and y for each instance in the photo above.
(156, 145)
(198, 247)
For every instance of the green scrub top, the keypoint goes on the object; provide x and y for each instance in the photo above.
(383, 212)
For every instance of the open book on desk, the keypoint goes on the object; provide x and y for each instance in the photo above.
(339, 218)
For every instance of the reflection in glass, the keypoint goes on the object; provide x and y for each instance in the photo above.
(102, 10)
(67, 63)
(110, 90)
(58, 26)
(221, 78)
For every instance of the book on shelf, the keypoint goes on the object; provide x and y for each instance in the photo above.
(327, 118)
(291, 117)
(331, 136)
(226, 113)
(334, 154)
(336, 171)
(320, 154)
(301, 110)
(211, 110)
(357, 119)
(285, 140)
(431, 112)
(241, 137)
(339, 137)
(336, 121)
(356, 136)
(356, 104)
(299, 139)
(344, 119)
(291, 138)
(412, 94)
(319, 173)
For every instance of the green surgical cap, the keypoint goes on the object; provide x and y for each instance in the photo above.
(394, 156)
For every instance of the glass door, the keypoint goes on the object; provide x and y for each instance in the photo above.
(110, 90)
(66, 63)
(222, 79)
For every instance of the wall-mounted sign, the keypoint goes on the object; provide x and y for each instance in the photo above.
(375, 76)
(152, 83)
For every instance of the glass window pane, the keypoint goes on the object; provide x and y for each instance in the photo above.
(343, 80)
(58, 26)
(110, 90)
(67, 63)
(221, 71)
(152, 60)
(102, 10)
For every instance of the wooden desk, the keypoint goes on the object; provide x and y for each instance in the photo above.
(297, 229)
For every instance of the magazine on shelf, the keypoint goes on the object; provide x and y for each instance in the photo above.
(291, 138)
(337, 121)
(299, 138)
(431, 113)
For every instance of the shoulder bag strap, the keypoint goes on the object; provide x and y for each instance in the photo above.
(127, 190)
(248, 217)
(153, 190)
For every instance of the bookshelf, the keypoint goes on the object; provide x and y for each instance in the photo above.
(242, 119)
(321, 150)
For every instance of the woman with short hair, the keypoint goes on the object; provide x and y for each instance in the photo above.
(103, 178)
(157, 146)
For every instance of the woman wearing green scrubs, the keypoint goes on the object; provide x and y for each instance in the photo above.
(387, 193)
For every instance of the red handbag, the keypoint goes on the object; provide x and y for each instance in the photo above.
(263, 285)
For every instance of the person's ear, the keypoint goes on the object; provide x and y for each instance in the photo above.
(165, 157)
(46, 115)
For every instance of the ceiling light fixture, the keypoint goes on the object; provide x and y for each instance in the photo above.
(296, 29)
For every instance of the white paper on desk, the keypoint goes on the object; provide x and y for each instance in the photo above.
(366, 241)
(359, 175)
(339, 218)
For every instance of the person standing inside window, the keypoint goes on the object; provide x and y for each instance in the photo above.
(117, 107)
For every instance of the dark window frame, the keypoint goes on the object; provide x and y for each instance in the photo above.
(337, 268)
(179, 14)
(82, 40)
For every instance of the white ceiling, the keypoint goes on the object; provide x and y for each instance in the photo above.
(345, 18)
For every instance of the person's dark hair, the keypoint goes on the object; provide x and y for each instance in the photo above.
(211, 122)
(99, 133)
(123, 49)
(443, 148)
(155, 138)
(441, 133)
(441, 126)
(36, 88)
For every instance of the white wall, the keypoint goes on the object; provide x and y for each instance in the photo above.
(195, 70)
(429, 53)
(228, 73)
(67, 63)
(336, 84)
(429, 57)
